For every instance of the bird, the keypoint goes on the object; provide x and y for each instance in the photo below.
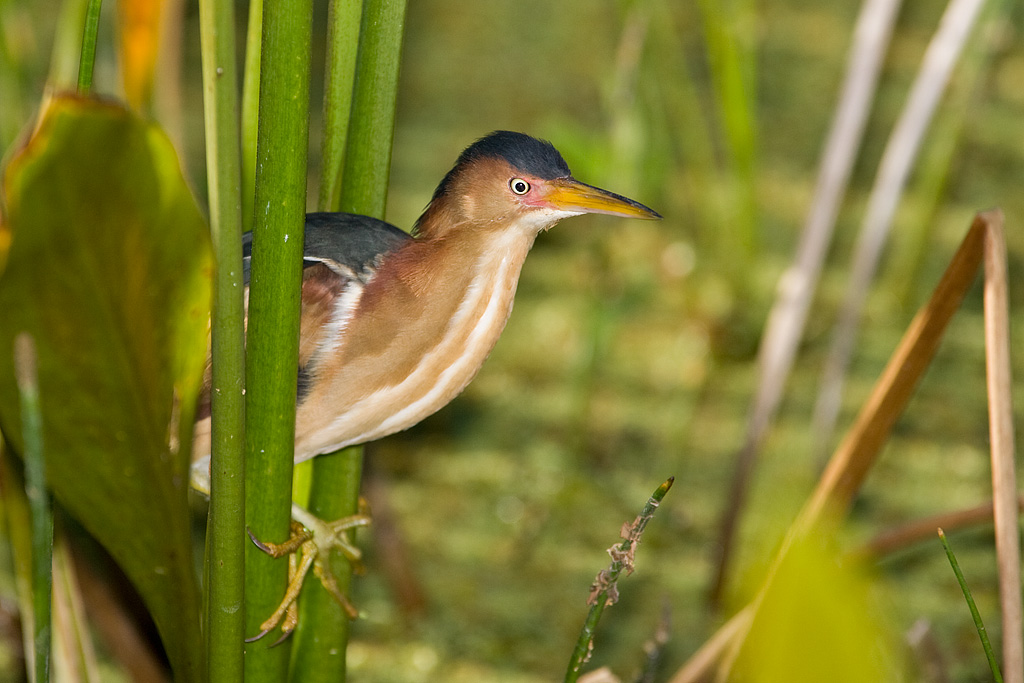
(394, 325)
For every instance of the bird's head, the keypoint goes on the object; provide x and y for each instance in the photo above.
(511, 181)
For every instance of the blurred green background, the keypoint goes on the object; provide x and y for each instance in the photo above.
(631, 353)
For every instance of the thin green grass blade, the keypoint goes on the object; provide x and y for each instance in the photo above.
(993, 663)
(88, 61)
(39, 502)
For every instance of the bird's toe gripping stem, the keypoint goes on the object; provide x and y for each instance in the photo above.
(313, 538)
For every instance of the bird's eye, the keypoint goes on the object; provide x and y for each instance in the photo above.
(519, 186)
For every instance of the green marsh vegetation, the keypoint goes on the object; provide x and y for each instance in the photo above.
(632, 352)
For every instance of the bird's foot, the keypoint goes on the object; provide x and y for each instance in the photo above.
(312, 539)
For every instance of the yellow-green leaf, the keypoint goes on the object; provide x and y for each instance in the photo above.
(817, 620)
(109, 269)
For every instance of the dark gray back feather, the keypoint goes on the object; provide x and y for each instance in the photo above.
(349, 244)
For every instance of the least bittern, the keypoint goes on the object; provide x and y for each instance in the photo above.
(394, 326)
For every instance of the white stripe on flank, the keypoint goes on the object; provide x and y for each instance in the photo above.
(423, 396)
(477, 346)
(344, 307)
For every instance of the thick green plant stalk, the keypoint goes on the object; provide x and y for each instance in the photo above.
(321, 638)
(321, 645)
(88, 60)
(273, 332)
(39, 503)
(371, 130)
(322, 634)
(225, 557)
(344, 17)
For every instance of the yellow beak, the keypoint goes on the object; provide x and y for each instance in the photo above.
(569, 194)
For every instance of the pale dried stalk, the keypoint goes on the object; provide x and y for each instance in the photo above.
(901, 537)
(74, 652)
(854, 458)
(1004, 478)
(704, 661)
(797, 285)
(894, 169)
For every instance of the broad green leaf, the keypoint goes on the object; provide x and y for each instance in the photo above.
(817, 620)
(109, 269)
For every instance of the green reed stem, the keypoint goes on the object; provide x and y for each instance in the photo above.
(323, 631)
(604, 590)
(226, 539)
(273, 331)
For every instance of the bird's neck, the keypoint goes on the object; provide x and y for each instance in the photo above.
(460, 291)
(450, 267)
